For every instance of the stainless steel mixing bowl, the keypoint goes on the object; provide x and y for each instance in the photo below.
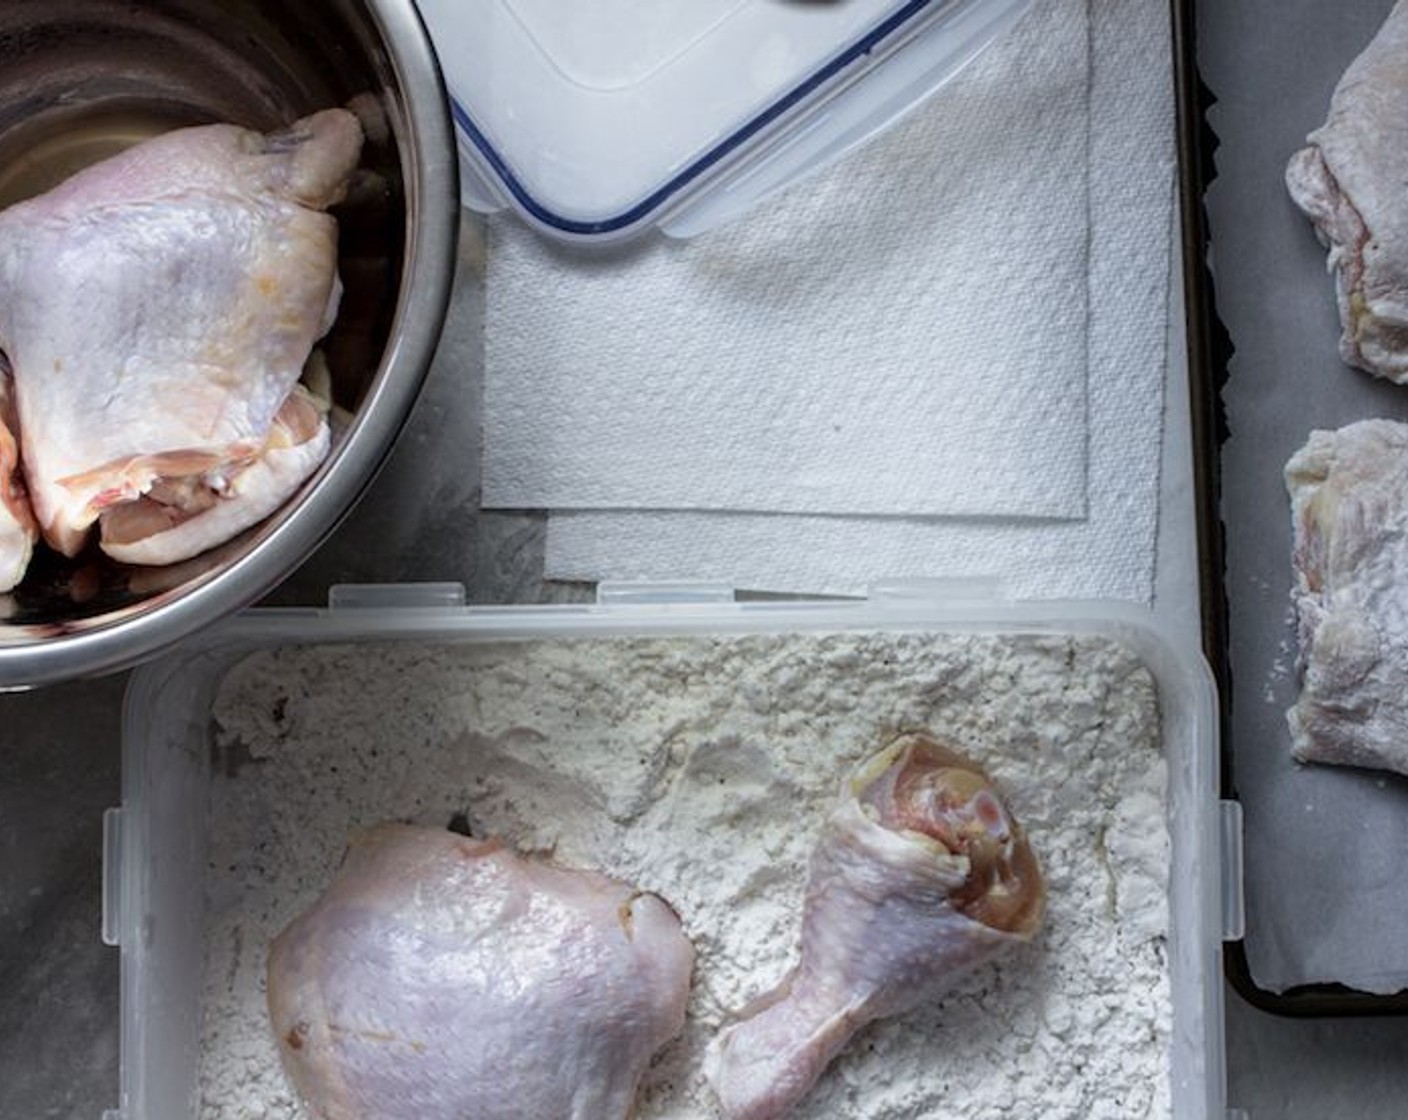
(79, 80)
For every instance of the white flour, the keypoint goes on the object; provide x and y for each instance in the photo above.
(701, 769)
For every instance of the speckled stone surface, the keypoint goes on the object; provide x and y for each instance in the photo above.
(58, 982)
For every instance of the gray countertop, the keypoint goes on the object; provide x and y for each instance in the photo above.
(59, 770)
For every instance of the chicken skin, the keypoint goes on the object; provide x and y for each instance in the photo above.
(17, 528)
(441, 978)
(1349, 509)
(920, 875)
(1349, 180)
(157, 310)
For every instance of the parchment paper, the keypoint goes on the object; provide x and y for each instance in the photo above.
(1326, 848)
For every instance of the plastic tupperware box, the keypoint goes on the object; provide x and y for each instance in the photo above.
(599, 121)
(156, 845)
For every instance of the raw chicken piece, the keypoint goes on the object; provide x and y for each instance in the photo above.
(1349, 512)
(17, 528)
(179, 518)
(442, 978)
(1350, 182)
(920, 874)
(157, 309)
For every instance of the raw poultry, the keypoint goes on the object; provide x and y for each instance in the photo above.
(1349, 508)
(920, 875)
(441, 977)
(157, 310)
(1349, 180)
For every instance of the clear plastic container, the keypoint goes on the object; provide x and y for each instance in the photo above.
(156, 845)
(598, 121)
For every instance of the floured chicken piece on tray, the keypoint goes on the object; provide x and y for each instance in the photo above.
(1350, 181)
(17, 528)
(920, 875)
(1349, 510)
(444, 978)
(157, 310)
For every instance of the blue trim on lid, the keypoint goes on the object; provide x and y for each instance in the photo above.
(807, 86)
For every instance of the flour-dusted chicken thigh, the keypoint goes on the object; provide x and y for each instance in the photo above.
(444, 978)
(157, 310)
(17, 528)
(920, 874)
(1349, 511)
(1351, 181)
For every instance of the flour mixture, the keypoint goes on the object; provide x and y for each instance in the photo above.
(701, 768)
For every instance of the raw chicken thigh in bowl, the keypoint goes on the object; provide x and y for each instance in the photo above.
(156, 311)
(226, 246)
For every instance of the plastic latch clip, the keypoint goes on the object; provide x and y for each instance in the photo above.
(662, 593)
(395, 596)
(112, 877)
(975, 589)
(1234, 917)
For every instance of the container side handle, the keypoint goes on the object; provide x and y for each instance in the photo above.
(112, 878)
(395, 596)
(1234, 917)
(657, 593)
(975, 589)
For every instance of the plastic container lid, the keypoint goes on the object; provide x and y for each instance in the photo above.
(602, 119)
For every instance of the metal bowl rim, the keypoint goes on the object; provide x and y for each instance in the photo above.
(432, 216)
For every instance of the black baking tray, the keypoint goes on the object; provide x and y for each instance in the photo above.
(1239, 559)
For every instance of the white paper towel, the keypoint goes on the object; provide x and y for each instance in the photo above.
(904, 333)
(1109, 554)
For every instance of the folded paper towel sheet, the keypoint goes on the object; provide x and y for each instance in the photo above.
(1112, 552)
(903, 333)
